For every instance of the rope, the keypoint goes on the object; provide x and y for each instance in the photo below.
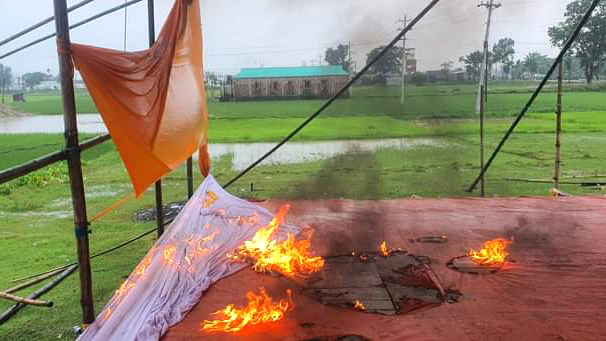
(339, 93)
(112, 207)
(101, 253)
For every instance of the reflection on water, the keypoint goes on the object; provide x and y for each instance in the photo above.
(87, 123)
(243, 153)
(295, 152)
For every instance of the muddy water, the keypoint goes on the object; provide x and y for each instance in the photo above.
(243, 153)
(87, 123)
(295, 152)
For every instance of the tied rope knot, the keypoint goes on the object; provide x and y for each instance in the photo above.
(65, 48)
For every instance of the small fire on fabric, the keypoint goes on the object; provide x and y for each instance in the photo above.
(358, 305)
(290, 257)
(491, 253)
(260, 309)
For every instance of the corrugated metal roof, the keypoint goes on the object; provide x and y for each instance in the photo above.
(295, 71)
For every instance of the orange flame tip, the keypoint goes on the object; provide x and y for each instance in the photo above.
(358, 305)
(492, 252)
(384, 250)
(290, 257)
(260, 309)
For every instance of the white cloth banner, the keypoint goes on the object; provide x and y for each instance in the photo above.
(183, 263)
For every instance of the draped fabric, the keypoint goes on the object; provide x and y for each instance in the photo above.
(182, 264)
(153, 101)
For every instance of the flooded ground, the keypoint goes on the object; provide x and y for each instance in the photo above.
(87, 123)
(244, 154)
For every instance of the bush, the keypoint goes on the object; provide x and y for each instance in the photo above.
(56, 173)
(5, 189)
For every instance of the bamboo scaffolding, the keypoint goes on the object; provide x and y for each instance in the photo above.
(16, 307)
(27, 301)
(558, 143)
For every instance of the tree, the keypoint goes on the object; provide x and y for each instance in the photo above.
(338, 56)
(473, 63)
(390, 62)
(6, 77)
(535, 62)
(502, 52)
(445, 68)
(418, 78)
(32, 79)
(590, 45)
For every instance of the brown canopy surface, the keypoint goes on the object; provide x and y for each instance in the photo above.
(552, 288)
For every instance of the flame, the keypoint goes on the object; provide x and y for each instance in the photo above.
(384, 250)
(145, 263)
(492, 252)
(108, 313)
(289, 257)
(358, 305)
(260, 309)
(211, 197)
(124, 288)
(168, 254)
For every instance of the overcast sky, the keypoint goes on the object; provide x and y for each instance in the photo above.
(247, 33)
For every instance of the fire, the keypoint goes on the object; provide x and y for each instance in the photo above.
(290, 257)
(260, 309)
(168, 254)
(358, 305)
(145, 263)
(383, 248)
(492, 252)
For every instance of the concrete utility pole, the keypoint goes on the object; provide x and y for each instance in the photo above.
(403, 83)
(484, 71)
(483, 86)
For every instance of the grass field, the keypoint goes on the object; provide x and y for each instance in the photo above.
(36, 212)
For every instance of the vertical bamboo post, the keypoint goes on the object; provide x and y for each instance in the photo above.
(482, 107)
(73, 160)
(558, 143)
(151, 31)
(190, 177)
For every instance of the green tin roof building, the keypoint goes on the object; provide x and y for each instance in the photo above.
(296, 82)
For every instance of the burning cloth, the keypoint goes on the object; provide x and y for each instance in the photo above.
(183, 263)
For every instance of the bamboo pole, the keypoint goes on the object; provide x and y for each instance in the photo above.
(558, 143)
(27, 301)
(190, 178)
(46, 160)
(34, 281)
(73, 160)
(16, 307)
(151, 34)
(482, 108)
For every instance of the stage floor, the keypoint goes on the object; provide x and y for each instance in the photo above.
(553, 287)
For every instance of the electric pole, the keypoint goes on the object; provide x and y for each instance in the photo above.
(484, 71)
(483, 85)
(403, 82)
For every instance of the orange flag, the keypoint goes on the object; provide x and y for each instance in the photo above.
(153, 102)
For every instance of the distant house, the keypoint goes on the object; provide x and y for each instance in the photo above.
(460, 75)
(437, 75)
(288, 82)
(48, 85)
(79, 84)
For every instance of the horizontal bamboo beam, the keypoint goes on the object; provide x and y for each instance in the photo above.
(33, 281)
(42, 23)
(16, 307)
(30, 166)
(27, 301)
(46, 160)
